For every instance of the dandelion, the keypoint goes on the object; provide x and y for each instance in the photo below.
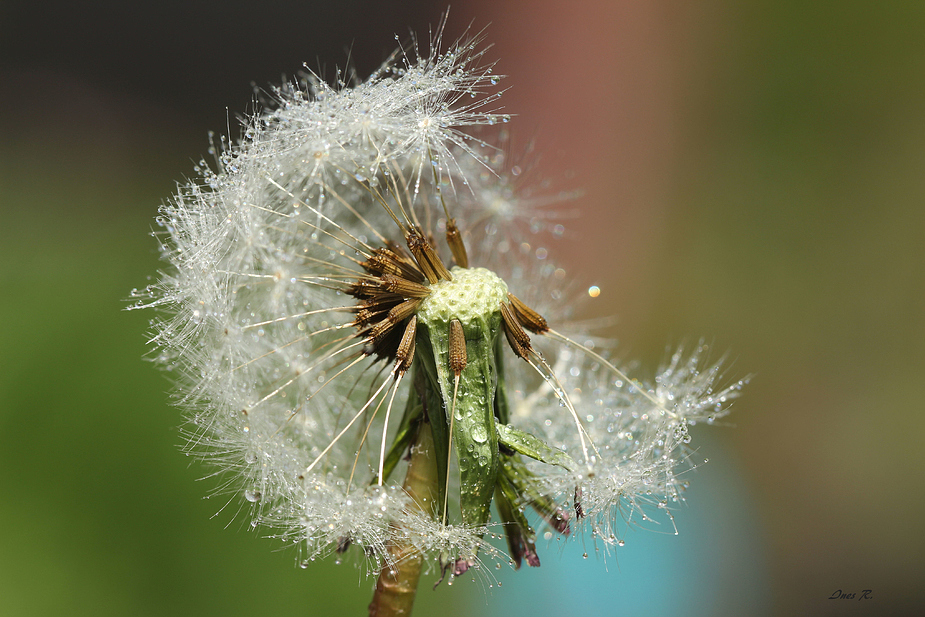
(374, 354)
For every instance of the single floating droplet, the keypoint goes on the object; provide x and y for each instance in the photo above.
(594, 291)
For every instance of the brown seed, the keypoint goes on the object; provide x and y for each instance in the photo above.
(395, 316)
(457, 246)
(408, 289)
(517, 338)
(365, 288)
(364, 317)
(381, 262)
(404, 310)
(528, 318)
(405, 354)
(372, 309)
(458, 358)
(428, 259)
(393, 260)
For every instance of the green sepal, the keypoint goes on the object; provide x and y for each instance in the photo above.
(427, 385)
(528, 445)
(502, 409)
(474, 436)
(526, 489)
(521, 539)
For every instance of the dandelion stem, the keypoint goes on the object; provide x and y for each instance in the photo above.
(398, 579)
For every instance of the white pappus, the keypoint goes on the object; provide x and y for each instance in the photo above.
(348, 277)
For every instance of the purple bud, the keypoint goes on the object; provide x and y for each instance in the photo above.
(462, 565)
(530, 554)
(559, 521)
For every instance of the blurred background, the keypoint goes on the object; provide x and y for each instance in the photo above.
(752, 174)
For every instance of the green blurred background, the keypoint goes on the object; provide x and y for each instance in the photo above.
(752, 175)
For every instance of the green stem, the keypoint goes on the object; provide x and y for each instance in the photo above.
(398, 580)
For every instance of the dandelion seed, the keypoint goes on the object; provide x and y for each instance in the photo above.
(343, 315)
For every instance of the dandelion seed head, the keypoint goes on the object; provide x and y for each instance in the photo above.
(299, 267)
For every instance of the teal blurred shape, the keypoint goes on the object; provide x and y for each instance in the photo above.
(715, 566)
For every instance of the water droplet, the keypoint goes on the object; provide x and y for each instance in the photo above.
(594, 291)
(479, 433)
(252, 495)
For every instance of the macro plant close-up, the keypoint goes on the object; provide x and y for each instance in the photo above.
(454, 313)
(380, 356)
